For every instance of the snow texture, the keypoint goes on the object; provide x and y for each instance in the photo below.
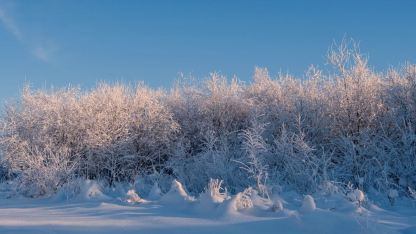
(393, 193)
(359, 195)
(175, 196)
(352, 127)
(277, 206)
(308, 205)
(90, 191)
(134, 198)
(155, 193)
(351, 196)
(333, 214)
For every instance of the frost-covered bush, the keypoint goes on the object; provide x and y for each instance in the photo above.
(214, 160)
(243, 199)
(134, 198)
(129, 131)
(351, 125)
(255, 149)
(294, 161)
(213, 191)
(44, 171)
(112, 132)
(212, 197)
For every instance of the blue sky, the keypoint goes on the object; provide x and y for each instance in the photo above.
(81, 42)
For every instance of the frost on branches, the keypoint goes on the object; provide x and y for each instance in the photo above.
(350, 126)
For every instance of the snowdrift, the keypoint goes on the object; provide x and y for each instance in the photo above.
(175, 196)
(212, 212)
(90, 191)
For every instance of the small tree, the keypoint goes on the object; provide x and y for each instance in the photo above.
(255, 149)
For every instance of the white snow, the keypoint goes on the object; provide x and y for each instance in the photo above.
(276, 207)
(155, 193)
(308, 205)
(393, 193)
(359, 195)
(175, 196)
(351, 196)
(211, 199)
(90, 191)
(210, 213)
(134, 198)
(403, 182)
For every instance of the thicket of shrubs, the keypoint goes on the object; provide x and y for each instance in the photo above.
(353, 125)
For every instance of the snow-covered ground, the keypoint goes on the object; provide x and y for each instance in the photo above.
(176, 212)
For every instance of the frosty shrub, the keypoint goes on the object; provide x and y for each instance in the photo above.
(294, 161)
(255, 149)
(112, 132)
(45, 171)
(351, 125)
(134, 198)
(243, 199)
(214, 189)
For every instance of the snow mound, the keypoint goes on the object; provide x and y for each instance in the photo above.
(359, 195)
(351, 197)
(228, 207)
(213, 192)
(276, 207)
(329, 187)
(308, 205)
(239, 202)
(134, 198)
(155, 193)
(209, 201)
(176, 195)
(90, 191)
(63, 195)
(393, 193)
(211, 198)
(243, 199)
(259, 202)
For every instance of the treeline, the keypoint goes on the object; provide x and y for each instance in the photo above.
(353, 125)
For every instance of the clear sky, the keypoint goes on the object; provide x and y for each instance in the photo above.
(83, 41)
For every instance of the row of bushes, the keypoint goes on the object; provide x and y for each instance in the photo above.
(353, 125)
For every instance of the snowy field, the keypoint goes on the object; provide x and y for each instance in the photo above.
(212, 212)
(329, 153)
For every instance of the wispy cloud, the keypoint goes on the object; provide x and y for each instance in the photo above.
(10, 24)
(44, 53)
(41, 48)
